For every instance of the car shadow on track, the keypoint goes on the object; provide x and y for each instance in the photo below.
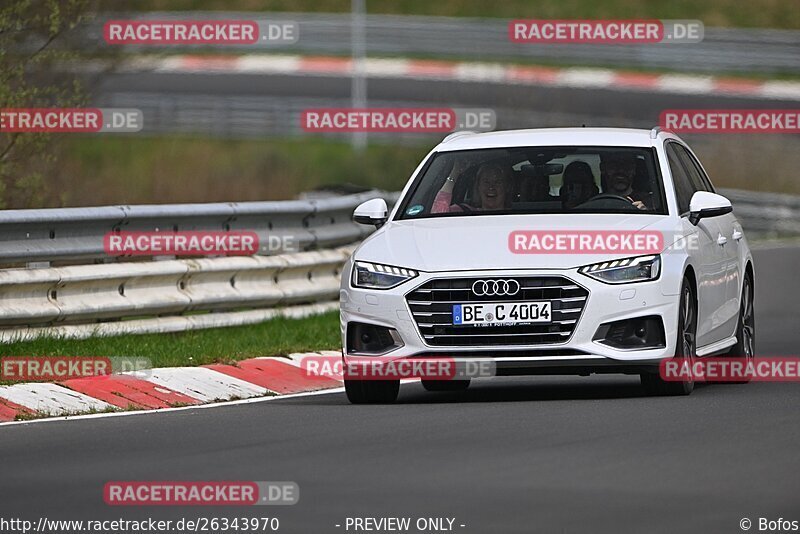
(517, 389)
(528, 389)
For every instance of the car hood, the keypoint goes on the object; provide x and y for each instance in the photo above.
(481, 242)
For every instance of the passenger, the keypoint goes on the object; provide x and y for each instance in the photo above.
(492, 191)
(540, 189)
(618, 170)
(578, 185)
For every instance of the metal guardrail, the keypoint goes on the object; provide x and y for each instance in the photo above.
(257, 116)
(76, 234)
(87, 296)
(770, 214)
(171, 295)
(90, 293)
(264, 116)
(723, 49)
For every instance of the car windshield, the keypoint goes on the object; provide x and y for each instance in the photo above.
(537, 180)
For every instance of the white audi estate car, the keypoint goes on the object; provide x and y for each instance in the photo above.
(485, 257)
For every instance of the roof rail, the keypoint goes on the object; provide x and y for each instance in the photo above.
(457, 134)
(655, 131)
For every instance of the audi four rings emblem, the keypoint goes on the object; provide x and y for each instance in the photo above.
(487, 288)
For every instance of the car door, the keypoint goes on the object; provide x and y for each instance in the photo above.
(708, 255)
(730, 235)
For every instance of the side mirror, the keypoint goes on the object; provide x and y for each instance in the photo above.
(374, 212)
(705, 204)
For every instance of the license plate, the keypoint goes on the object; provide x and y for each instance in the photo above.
(503, 313)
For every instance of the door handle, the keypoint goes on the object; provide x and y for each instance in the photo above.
(721, 240)
(737, 235)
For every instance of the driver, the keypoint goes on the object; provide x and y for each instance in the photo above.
(618, 170)
(492, 190)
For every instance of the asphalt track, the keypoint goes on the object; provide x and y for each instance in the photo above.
(595, 106)
(546, 454)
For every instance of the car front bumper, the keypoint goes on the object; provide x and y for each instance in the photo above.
(579, 354)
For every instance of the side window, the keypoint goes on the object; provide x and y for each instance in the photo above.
(684, 189)
(696, 175)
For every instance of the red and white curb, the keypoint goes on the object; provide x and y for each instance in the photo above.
(573, 77)
(167, 387)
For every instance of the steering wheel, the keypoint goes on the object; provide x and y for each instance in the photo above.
(610, 196)
(605, 198)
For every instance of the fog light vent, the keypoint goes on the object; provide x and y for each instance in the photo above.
(372, 339)
(636, 333)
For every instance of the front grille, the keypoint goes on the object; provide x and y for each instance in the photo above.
(431, 305)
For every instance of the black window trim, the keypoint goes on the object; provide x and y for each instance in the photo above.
(667, 143)
(700, 170)
(414, 186)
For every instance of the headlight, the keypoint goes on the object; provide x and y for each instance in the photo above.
(377, 276)
(639, 269)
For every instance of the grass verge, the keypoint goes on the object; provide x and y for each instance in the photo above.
(143, 170)
(99, 170)
(279, 336)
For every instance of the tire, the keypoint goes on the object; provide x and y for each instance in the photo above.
(685, 347)
(445, 385)
(372, 391)
(746, 328)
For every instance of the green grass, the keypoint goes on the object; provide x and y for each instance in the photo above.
(135, 170)
(100, 170)
(738, 13)
(277, 337)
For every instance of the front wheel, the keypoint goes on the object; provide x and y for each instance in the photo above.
(372, 391)
(685, 348)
